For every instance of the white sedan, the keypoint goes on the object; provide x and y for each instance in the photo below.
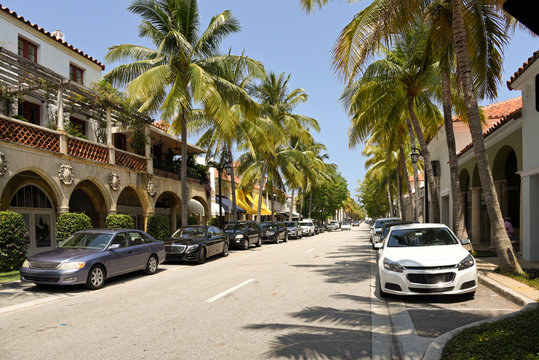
(425, 259)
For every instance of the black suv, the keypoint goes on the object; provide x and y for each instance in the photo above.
(273, 231)
(243, 233)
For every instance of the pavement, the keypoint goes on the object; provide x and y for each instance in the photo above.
(512, 290)
(519, 293)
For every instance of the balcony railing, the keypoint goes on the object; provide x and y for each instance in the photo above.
(85, 149)
(130, 160)
(171, 169)
(20, 132)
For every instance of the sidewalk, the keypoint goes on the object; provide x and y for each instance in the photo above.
(511, 289)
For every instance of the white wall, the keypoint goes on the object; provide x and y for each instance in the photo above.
(50, 53)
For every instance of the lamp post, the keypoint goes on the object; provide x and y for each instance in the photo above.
(415, 156)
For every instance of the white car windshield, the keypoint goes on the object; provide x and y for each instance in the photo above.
(421, 237)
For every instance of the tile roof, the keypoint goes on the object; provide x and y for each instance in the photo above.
(35, 26)
(523, 68)
(161, 125)
(497, 115)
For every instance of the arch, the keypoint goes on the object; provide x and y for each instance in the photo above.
(476, 181)
(31, 176)
(131, 202)
(464, 180)
(203, 218)
(88, 197)
(168, 204)
(503, 155)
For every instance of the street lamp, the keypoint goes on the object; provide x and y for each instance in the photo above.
(415, 154)
(220, 166)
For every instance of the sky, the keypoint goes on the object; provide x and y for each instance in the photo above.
(278, 33)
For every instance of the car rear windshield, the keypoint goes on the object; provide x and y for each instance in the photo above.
(189, 232)
(380, 223)
(290, 224)
(236, 226)
(268, 226)
(94, 241)
(421, 237)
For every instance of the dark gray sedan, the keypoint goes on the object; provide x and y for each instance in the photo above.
(91, 256)
(196, 243)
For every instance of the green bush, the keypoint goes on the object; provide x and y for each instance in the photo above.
(119, 221)
(13, 240)
(158, 227)
(70, 223)
(192, 220)
(214, 221)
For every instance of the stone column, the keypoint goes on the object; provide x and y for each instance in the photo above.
(110, 145)
(60, 123)
(147, 150)
(476, 215)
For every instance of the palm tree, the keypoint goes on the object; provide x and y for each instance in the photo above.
(182, 71)
(382, 19)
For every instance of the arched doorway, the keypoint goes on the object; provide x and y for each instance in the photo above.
(168, 204)
(87, 198)
(198, 209)
(129, 203)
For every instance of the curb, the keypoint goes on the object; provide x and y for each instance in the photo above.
(434, 350)
(11, 285)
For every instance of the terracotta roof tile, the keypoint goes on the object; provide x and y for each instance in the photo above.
(497, 115)
(35, 26)
(161, 125)
(523, 68)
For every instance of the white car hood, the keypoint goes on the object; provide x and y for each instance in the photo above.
(441, 255)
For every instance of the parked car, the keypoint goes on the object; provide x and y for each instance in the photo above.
(196, 243)
(91, 256)
(425, 259)
(273, 231)
(346, 226)
(319, 227)
(333, 225)
(355, 223)
(307, 226)
(294, 230)
(244, 233)
(377, 244)
(377, 227)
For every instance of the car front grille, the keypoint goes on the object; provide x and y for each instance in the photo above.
(43, 265)
(432, 290)
(41, 279)
(431, 278)
(175, 249)
(430, 268)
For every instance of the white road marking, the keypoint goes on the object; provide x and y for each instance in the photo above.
(218, 296)
(308, 251)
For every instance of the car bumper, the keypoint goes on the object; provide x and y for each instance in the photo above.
(236, 243)
(293, 234)
(192, 256)
(429, 282)
(54, 277)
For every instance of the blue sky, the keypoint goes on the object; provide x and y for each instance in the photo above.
(276, 32)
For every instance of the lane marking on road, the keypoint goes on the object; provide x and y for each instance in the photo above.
(32, 303)
(218, 296)
(308, 251)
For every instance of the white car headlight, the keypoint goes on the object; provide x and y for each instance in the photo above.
(25, 264)
(71, 265)
(239, 236)
(467, 263)
(191, 248)
(393, 266)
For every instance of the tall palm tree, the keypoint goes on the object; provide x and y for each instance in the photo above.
(182, 71)
(378, 23)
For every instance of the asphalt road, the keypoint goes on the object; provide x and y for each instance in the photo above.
(313, 298)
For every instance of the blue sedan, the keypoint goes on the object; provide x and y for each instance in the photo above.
(91, 256)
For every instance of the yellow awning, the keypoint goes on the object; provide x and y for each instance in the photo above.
(264, 211)
(240, 200)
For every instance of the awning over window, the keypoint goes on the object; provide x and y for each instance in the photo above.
(227, 204)
(195, 207)
(215, 209)
(240, 199)
(254, 201)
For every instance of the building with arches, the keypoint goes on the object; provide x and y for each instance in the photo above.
(47, 169)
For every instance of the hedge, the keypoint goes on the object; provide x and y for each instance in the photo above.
(158, 227)
(14, 240)
(119, 221)
(192, 220)
(70, 223)
(214, 221)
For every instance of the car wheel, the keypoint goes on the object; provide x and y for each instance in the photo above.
(276, 240)
(225, 249)
(96, 277)
(259, 242)
(286, 237)
(201, 256)
(245, 244)
(151, 266)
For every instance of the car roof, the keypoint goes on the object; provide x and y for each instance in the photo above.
(420, 226)
(107, 231)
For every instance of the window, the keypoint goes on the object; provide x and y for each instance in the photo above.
(120, 141)
(79, 124)
(27, 50)
(76, 74)
(31, 112)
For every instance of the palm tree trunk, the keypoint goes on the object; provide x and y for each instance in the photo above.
(458, 213)
(407, 181)
(183, 170)
(291, 206)
(310, 202)
(389, 197)
(402, 212)
(272, 204)
(415, 198)
(301, 204)
(232, 183)
(506, 254)
(426, 159)
(261, 188)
